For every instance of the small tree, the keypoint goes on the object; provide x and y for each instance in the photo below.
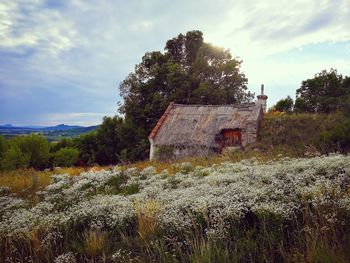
(64, 143)
(37, 147)
(108, 138)
(65, 157)
(14, 158)
(2, 146)
(87, 146)
(285, 105)
(31, 151)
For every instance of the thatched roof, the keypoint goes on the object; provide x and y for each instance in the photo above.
(197, 125)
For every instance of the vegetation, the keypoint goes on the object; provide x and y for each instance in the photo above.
(327, 92)
(65, 157)
(254, 205)
(289, 210)
(280, 133)
(300, 133)
(189, 72)
(25, 151)
(284, 105)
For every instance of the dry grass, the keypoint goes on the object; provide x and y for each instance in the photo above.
(26, 182)
(95, 241)
(255, 151)
(146, 219)
(34, 239)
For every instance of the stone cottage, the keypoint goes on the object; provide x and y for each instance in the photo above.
(192, 130)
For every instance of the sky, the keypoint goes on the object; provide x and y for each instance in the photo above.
(62, 61)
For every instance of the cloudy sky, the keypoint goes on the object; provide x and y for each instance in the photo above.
(61, 61)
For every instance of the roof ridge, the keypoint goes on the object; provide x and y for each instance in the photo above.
(216, 105)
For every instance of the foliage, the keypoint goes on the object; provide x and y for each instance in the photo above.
(327, 92)
(190, 72)
(337, 138)
(64, 143)
(290, 210)
(300, 132)
(2, 146)
(26, 151)
(285, 105)
(104, 146)
(87, 146)
(109, 140)
(65, 157)
(14, 158)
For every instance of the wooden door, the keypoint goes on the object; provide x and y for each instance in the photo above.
(232, 138)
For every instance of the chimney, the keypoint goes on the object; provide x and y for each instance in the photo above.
(262, 98)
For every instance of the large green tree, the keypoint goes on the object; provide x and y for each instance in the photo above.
(190, 71)
(326, 92)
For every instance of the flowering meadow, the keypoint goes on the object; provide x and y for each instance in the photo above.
(289, 210)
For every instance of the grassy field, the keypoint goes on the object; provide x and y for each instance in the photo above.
(228, 209)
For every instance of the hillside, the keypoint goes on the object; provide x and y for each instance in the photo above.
(296, 134)
(290, 210)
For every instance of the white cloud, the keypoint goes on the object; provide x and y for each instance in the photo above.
(261, 28)
(30, 24)
(83, 49)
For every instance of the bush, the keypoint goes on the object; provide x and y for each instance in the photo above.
(87, 146)
(2, 146)
(336, 139)
(65, 157)
(26, 151)
(64, 143)
(285, 105)
(14, 158)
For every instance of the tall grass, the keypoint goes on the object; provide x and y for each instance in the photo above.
(26, 182)
(316, 231)
(95, 242)
(146, 219)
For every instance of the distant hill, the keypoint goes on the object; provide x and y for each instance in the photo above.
(6, 125)
(52, 133)
(60, 127)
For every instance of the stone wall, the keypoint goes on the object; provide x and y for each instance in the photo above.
(173, 152)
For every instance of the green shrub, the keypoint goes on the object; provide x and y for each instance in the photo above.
(64, 143)
(300, 131)
(26, 151)
(14, 158)
(65, 157)
(285, 105)
(337, 138)
(131, 189)
(2, 146)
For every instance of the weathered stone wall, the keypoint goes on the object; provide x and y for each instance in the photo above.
(172, 152)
